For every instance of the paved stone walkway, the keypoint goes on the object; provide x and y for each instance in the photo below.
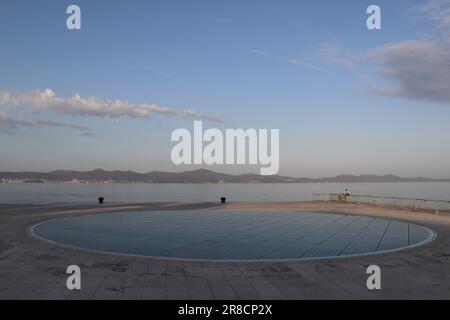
(34, 269)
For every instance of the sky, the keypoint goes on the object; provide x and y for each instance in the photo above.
(346, 99)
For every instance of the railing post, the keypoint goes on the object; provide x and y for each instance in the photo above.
(435, 207)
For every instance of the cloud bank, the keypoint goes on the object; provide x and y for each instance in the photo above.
(418, 69)
(435, 10)
(47, 100)
(9, 124)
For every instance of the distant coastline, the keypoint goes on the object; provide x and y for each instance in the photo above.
(195, 176)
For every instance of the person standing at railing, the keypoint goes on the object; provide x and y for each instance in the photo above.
(346, 194)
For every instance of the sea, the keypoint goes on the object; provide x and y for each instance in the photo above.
(40, 193)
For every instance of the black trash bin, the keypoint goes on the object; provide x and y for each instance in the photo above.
(100, 200)
(223, 199)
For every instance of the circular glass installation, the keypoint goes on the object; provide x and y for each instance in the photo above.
(233, 235)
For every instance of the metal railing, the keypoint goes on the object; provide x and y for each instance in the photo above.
(412, 203)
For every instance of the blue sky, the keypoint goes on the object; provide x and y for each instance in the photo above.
(346, 99)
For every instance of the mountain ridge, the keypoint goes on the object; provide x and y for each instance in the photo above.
(194, 176)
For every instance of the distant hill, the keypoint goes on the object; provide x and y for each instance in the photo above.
(196, 176)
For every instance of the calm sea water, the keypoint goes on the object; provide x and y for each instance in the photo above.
(57, 192)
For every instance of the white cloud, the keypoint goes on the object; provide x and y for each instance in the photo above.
(336, 54)
(47, 100)
(297, 62)
(325, 52)
(302, 63)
